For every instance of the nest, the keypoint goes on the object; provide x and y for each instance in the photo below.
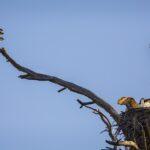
(135, 125)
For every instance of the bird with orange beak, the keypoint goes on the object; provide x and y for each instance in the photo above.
(129, 102)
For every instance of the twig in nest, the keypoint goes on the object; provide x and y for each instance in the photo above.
(124, 143)
(144, 137)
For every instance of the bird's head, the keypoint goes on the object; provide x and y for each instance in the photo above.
(125, 100)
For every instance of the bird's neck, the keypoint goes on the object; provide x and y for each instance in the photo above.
(133, 104)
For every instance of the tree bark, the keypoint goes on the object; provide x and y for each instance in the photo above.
(32, 75)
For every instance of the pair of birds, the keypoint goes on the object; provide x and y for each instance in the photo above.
(1, 33)
(130, 102)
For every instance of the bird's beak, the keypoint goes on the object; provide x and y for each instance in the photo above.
(121, 100)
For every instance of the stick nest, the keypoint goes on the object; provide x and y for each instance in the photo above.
(135, 124)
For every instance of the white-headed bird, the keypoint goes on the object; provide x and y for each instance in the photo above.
(145, 102)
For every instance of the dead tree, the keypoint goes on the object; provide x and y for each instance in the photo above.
(130, 129)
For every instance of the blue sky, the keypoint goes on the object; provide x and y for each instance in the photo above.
(100, 45)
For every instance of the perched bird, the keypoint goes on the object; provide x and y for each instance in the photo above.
(144, 102)
(129, 102)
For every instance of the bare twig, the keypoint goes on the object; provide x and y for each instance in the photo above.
(124, 143)
(84, 103)
(31, 75)
(103, 118)
(62, 89)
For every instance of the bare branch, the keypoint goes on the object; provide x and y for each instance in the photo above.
(84, 103)
(103, 118)
(124, 143)
(31, 75)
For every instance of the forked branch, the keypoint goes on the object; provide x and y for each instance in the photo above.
(103, 117)
(31, 75)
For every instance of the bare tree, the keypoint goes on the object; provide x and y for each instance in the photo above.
(122, 130)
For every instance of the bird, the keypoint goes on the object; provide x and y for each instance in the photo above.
(129, 102)
(145, 102)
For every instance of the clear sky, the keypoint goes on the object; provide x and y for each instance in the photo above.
(102, 45)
